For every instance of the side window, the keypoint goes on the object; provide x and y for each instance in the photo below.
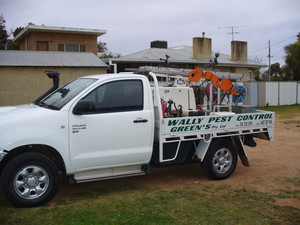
(118, 96)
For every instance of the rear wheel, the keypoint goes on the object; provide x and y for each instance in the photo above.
(220, 160)
(29, 180)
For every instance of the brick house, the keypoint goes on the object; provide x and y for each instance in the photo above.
(70, 51)
(65, 39)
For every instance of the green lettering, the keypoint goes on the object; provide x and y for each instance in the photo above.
(245, 117)
(207, 126)
(174, 129)
(198, 127)
(192, 128)
(211, 119)
(188, 122)
(194, 121)
(173, 122)
(182, 122)
(187, 128)
(180, 129)
(200, 120)
(218, 119)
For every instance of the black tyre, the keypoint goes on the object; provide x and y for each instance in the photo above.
(28, 180)
(220, 160)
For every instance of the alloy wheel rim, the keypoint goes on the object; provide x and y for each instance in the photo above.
(31, 182)
(222, 160)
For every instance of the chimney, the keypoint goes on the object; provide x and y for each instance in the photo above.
(239, 51)
(202, 47)
(159, 44)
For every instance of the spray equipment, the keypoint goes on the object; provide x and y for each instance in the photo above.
(224, 84)
(176, 112)
(235, 93)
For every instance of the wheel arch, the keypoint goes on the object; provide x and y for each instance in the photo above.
(45, 150)
(203, 146)
(209, 164)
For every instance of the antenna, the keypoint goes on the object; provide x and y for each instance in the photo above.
(232, 30)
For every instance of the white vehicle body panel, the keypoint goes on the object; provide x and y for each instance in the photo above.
(107, 141)
(30, 125)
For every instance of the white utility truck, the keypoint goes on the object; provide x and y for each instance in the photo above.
(113, 125)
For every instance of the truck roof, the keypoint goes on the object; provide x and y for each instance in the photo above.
(109, 75)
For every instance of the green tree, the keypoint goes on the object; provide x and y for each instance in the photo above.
(3, 33)
(104, 52)
(101, 46)
(257, 75)
(13, 45)
(17, 31)
(292, 61)
(277, 73)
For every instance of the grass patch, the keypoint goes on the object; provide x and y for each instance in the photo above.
(291, 180)
(191, 205)
(288, 191)
(283, 111)
(292, 122)
(288, 194)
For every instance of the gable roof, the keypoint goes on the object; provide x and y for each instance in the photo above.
(180, 54)
(43, 28)
(41, 58)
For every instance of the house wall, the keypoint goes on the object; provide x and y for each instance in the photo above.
(29, 43)
(21, 85)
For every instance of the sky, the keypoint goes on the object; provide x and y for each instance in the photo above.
(132, 24)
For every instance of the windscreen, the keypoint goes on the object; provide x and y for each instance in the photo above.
(65, 94)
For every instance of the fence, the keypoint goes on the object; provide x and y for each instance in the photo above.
(272, 93)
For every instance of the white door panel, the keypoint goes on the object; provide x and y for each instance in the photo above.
(109, 139)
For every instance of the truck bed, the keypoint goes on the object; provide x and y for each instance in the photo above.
(176, 132)
(219, 124)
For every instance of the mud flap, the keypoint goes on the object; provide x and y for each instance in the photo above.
(238, 144)
(202, 148)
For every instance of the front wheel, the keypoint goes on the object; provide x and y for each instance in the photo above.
(30, 179)
(220, 160)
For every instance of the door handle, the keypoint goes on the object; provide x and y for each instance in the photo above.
(140, 121)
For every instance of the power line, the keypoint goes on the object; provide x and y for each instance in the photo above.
(271, 45)
(277, 52)
(290, 42)
(283, 40)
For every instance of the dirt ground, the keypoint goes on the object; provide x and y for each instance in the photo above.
(272, 164)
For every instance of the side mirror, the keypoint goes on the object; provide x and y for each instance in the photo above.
(84, 107)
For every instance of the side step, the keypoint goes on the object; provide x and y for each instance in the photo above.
(111, 173)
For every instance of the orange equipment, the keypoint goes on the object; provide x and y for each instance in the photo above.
(224, 84)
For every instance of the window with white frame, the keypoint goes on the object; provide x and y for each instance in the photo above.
(69, 47)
